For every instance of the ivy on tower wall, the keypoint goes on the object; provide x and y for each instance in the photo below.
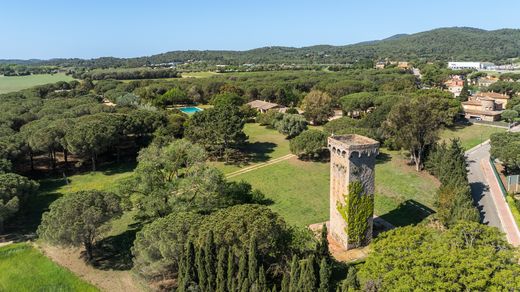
(357, 210)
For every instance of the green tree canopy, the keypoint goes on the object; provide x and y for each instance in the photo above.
(310, 144)
(466, 257)
(317, 106)
(78, 219)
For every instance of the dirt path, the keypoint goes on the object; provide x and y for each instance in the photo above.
(260, 165)
(104, 280)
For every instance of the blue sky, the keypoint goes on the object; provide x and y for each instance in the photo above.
(86, 29)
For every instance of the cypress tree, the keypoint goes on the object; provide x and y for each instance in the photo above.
(221, 270)
(285, 283)
(189, 261)
(295, 274)
(262, 281)
(210, 261)
(325, 273)
(245, 285)
(230, 269)
(253, 261)
(181, 272)
(242, 269)
(351, 282)
(323, 246)
(274, 289)
(201, 269)
(307, 275)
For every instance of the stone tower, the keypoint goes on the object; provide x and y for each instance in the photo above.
(352, 158)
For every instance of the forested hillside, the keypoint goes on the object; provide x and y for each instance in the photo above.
(442, 44)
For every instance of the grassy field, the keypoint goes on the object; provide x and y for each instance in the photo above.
(205, 74)
(300, 190)
(23, 268)
(16, 83)
(264, 144)
(470, 136)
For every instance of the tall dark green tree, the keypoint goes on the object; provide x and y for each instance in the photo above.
(242, 269)
(210, 260)
(295, 274)
(325, 274)
(201, 269)
(230, 270)
(221, 270)
(252, 261)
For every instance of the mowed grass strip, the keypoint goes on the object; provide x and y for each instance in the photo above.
(16, 83)
(23, 268)
(470, 136)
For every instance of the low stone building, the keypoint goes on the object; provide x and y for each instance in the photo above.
(263, 106)
(486, 106)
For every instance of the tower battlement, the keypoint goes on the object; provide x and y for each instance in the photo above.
(352, 158)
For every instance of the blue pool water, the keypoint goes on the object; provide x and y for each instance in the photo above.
(190, 110)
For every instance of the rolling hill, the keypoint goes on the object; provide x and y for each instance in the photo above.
(443, 44)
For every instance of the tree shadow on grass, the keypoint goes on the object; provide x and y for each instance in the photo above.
(256, 152)
(409, 212)
(383, 158)
(114, 252)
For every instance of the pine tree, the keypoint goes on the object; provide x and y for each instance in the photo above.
(201, 269)
(221, 270)
(285, 283)
(323, 246)
(230, 269)
(253, 261)
(325, 273)
(242, 269)
(295, 274)
(210, 261)
(262, 281)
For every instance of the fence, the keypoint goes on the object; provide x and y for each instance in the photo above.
(497, 176)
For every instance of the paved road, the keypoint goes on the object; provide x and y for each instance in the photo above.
(480, 188)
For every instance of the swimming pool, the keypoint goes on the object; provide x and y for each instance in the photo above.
(190, 110)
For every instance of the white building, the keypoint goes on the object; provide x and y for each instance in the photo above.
(470, 65)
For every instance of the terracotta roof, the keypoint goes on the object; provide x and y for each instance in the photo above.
(471, 102)
(264, 105)
(479, 112)
(493, 95)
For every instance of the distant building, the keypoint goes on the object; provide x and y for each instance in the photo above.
(263, 106)
(486, 81)
(404, 65)
(380, 65)
(455, 85)
(487, 106)
(470, 65)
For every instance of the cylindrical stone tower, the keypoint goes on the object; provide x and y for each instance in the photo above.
(352, 158)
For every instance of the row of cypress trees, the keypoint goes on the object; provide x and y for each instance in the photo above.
(454, 202)
(220, 269)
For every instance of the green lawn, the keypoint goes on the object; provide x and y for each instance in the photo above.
(16, 83)
(264, 144)
(300, 190)
(23, 268)
(470, 136)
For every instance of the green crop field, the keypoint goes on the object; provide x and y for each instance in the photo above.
(23, 268)
(470, 136)
(16, 83)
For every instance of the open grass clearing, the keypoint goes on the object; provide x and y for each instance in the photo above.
(17, 83)
(264, 145)
(24, 268)
(299, 190)
(470, 135)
